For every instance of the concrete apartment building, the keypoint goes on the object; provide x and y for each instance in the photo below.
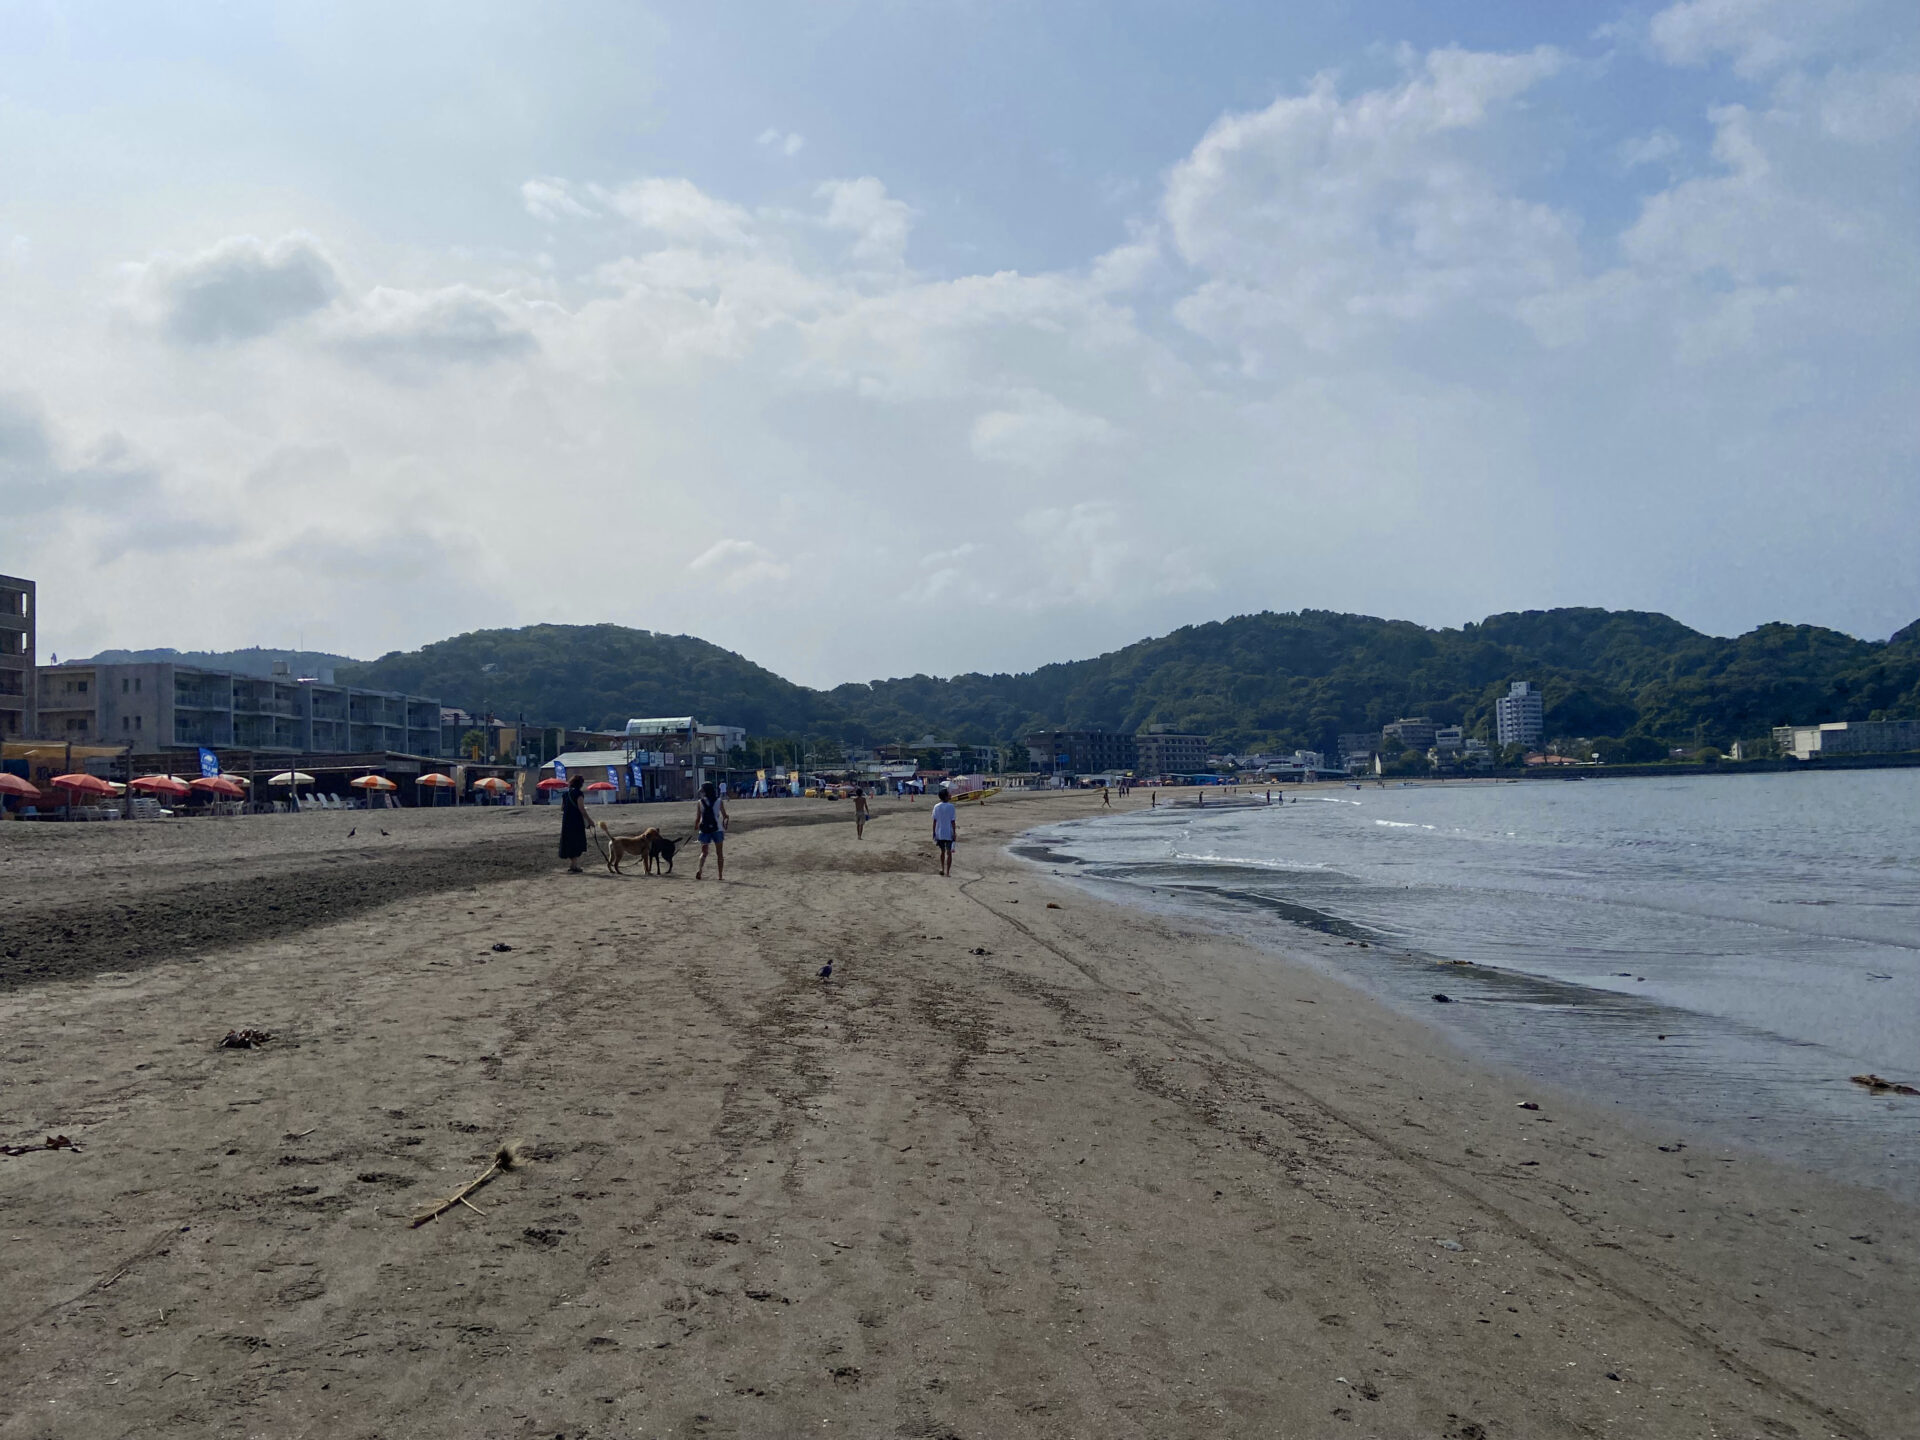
(1168, 752)
(1413, 733)
(1081, 752)
(1847, 737)
(163, 706)
(18, 693)
(1519, 716)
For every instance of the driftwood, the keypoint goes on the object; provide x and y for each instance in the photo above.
(52, 1142)
(1882, 1087)
(504, 1159)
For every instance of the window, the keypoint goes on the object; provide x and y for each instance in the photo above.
(136, 684)
(125, 723)
(125, 685)
(136, 722)
(83, 687)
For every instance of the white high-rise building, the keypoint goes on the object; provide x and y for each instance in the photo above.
(1519, 716)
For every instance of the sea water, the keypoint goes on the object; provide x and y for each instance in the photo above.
(1723, 951)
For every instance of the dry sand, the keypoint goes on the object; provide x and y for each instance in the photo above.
(1013, 1171)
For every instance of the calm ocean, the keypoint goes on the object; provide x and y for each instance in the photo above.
(1767, 926)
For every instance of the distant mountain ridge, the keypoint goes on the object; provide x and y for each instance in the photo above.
(1269, 680)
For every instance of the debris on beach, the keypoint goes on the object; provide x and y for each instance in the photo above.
(244, 1039)
(980, 950)
(1880, 1086)
(501, 947)
(1052, 906)
(1529, 1105)
(1440, 999)
(52, 1142)
(504, 1159)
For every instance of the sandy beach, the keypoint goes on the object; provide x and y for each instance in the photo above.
(1027, 1164)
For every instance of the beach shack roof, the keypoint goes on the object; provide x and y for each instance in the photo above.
(588, 759)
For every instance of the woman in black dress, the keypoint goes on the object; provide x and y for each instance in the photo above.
(573, 825)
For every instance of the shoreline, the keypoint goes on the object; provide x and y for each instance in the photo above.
(1012, 1170)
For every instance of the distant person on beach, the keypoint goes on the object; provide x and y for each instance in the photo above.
(710, 821)
(860, 813)
(1106, 797)
(573, 824)
(945, 824)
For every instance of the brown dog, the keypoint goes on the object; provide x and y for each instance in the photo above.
(621, 846)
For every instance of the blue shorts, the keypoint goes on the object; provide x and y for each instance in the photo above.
(712, 837)
(944, 844)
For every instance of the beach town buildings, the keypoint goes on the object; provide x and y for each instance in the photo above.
(1082, 752)
(1413, 733)
(1162, 750)
(1358, 747)
(1847, 737)
(1519, 716)
(160, 706)
(17, 691)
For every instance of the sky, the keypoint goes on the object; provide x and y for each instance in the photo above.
(872, 338)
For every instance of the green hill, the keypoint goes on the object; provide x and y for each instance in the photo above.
(1255, 681)
(598, 677)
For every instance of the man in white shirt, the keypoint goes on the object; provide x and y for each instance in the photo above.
(945, 818)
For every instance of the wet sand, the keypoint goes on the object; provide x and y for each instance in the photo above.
(1013, 1170)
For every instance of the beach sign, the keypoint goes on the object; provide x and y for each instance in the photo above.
(209, 763)
(559, 770)
(613, 776)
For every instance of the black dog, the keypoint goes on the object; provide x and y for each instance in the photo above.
(663, 849)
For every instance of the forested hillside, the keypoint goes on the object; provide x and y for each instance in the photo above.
(1267, 680)
(596, 676)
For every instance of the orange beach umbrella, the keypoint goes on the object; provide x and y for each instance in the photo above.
(433, 777)
(14, 785)
(164, 784)
(90, 784)
(492, 782)
(372, 782)
(603, 785)
(217, 785)
(552, 784)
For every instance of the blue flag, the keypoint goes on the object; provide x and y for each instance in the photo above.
(209, 762)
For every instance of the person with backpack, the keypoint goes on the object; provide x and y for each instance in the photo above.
(710, 823)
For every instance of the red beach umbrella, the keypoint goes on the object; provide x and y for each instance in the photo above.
(603, 785)
(90, 784)
(11, 784)
(217, 785)
(552, 784)
(161, 784)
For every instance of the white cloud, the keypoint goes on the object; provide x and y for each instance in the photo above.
(553, 200)
(1656, 147)
(1324, 217)
(880, 224)
(789, 144)
(1760, 35)
(1038, 433)
(457, 323)
(680, 211)
(737, 564)
(240, 289)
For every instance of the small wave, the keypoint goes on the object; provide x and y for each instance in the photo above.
(1402, 825)
(1250, 862)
